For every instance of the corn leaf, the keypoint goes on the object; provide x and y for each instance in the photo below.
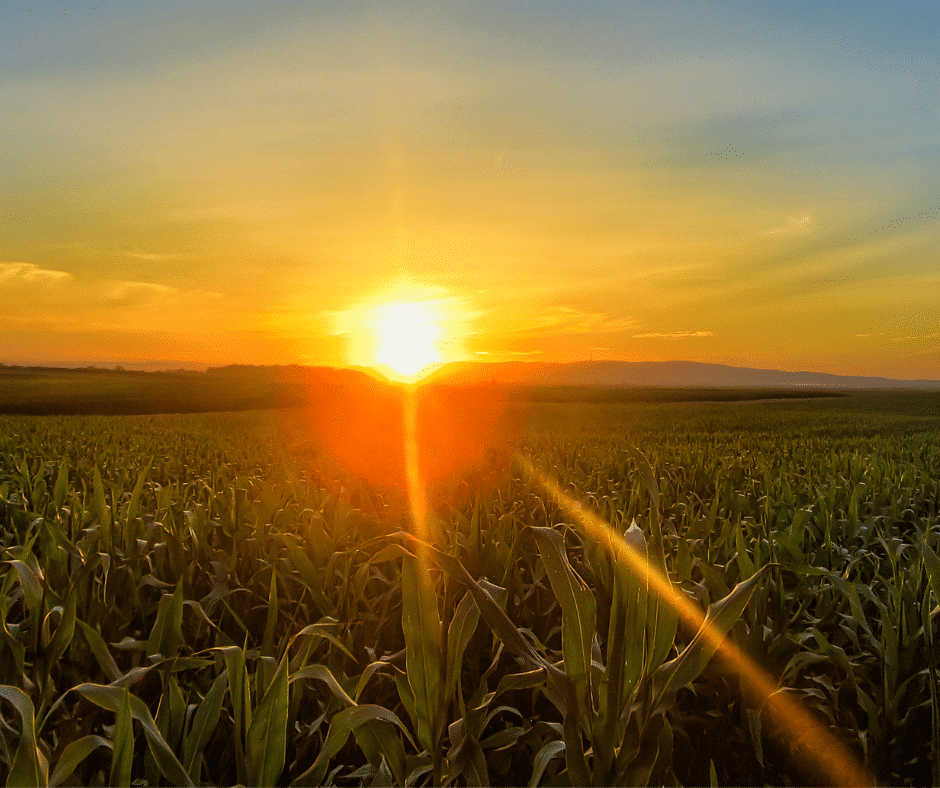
(240, 694)
(73, 754)
(421, 625)
(266, 743)
(461, 629)
(695, 656)
(29, 766)
(102, 513)
(64, 631)
(542, 758)
(341, 726)
(322, 673)
(100, 650)
(267, 640)
(579, 616)
(204, 724)
(167, 633)
(110, 698)
(122, 753)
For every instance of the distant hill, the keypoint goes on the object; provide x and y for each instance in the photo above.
(48, 390)
(656, 373)
(52, 390)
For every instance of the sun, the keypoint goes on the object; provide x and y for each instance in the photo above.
(408, 334)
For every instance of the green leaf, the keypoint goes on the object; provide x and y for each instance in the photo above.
(421, 625)
(519, 681)
(64, 631)
(240, 694)
(461, 629)
(386, 739)
(134, 505)
(122, 753)
(30, 582)
(61, 489)
(406, 695)
(204, 723)
(718, 622)
(647, 476)
(493, 614)
(110, 698)
(639, 768)
(321, 629)
(73, 754)
(578, 616)
(266, 743)
(932, 565)
(308, 574)
(625, 650)
(29, 767)
(575, 760)
(102, 513)
(341, 726)
(267, 640)
(166, 637)
(632, 594)
(175, 716)
(541, 760)
(662, 619)
(745, 564)
(7, 637)
(505, 630)
(322, 673)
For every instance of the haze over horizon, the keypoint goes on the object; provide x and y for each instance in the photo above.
(205, 184)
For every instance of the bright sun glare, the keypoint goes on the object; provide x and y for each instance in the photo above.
(407, 337)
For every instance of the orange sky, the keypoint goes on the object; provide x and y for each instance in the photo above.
(212, 183)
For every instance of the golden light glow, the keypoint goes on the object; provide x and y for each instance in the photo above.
(407, 336)
(822, 753)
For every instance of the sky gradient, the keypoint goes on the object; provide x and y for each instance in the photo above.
(192, 184)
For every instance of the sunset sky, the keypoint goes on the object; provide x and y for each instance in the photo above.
(203, 183)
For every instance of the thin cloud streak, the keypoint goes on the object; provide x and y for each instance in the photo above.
(674, 334)
(157, 256)
(28, 272)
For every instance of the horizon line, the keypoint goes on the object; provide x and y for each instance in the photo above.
(156, 366)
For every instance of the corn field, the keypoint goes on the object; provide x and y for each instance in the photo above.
(212, 599)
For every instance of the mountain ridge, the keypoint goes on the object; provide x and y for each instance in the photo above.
(655, 373)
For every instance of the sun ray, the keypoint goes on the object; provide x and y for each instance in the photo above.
(826, 755)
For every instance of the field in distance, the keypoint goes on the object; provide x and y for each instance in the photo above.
(221, 598)
(88, 391)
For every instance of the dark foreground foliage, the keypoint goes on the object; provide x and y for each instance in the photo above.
(210, 599)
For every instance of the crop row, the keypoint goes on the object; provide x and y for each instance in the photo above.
(210, 599)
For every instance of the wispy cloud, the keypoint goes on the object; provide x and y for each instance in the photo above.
(673, 334)
(801, 224)
(157, 256)
(28, 272)
(125, 292)
(137, 291)
(918, 338)
(569, 320)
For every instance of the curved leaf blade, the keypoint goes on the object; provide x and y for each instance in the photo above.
(721, 616)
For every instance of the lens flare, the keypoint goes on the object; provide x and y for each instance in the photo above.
(825, 754)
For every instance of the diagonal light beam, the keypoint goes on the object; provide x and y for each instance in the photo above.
(826, 755)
